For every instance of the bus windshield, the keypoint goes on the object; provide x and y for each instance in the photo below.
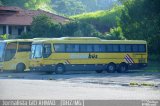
(36, 51)
(2, 48)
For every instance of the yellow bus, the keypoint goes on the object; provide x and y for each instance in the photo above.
(14, 54)
(87, 53)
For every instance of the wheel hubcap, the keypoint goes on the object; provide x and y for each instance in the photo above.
(111, 68)
(60, 69)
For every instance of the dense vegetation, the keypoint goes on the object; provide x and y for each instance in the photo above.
(134, 19)
(29, 4)
(102, 20)
(43, 26)
(73, 7)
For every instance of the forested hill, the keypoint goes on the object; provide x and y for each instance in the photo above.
(73, 7)
(63, 7)
(102, 20)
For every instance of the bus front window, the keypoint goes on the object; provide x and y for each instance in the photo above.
(2, 48)
(37, 51)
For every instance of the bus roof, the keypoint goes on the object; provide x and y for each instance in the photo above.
(87, 40)
(17, 40)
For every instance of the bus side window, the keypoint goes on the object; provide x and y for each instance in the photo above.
(122, 48)
(102, 48)
(72, 48)
(46, 50)
(142, 48)
(89, 48)
(96, 48)
(109, 48)
(10, 51)
(24, 46)
(59, 48)
(115, 48)
(76, 48)
(83, 48)
(69, 48)
(128, 48)
(135, 48)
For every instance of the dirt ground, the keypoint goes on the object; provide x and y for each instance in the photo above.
(133, 85)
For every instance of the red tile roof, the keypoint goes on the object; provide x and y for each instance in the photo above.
(10, 8)
(18, 16)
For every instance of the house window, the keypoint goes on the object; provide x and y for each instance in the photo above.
(4, 29)
(10, 29)
(20, 30)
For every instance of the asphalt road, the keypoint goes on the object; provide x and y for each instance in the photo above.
(80, 85)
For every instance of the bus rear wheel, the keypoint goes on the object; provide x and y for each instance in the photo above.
(111, 68)
(60, 69)
(20, 67)
(122, 68)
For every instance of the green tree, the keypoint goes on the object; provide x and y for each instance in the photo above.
(77, 28)
(43, 26)
(94, 5)
(68, 7)
(1, 3)
(19, 3)
(29, 4)
(4, 37)
(141, 20)
(39, 4)
(116, 34)
(101, 20)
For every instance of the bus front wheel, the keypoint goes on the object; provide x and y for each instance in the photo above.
(60, 69)
(111, 68)
(20, 67)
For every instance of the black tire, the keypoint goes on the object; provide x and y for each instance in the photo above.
(99, 71)
(20, 67)
(122, 68)
(111, 68)
(60, 69)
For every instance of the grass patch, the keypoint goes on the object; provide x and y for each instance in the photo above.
(133, 84)
(147, 84)
(153, 66)
(141, 84)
